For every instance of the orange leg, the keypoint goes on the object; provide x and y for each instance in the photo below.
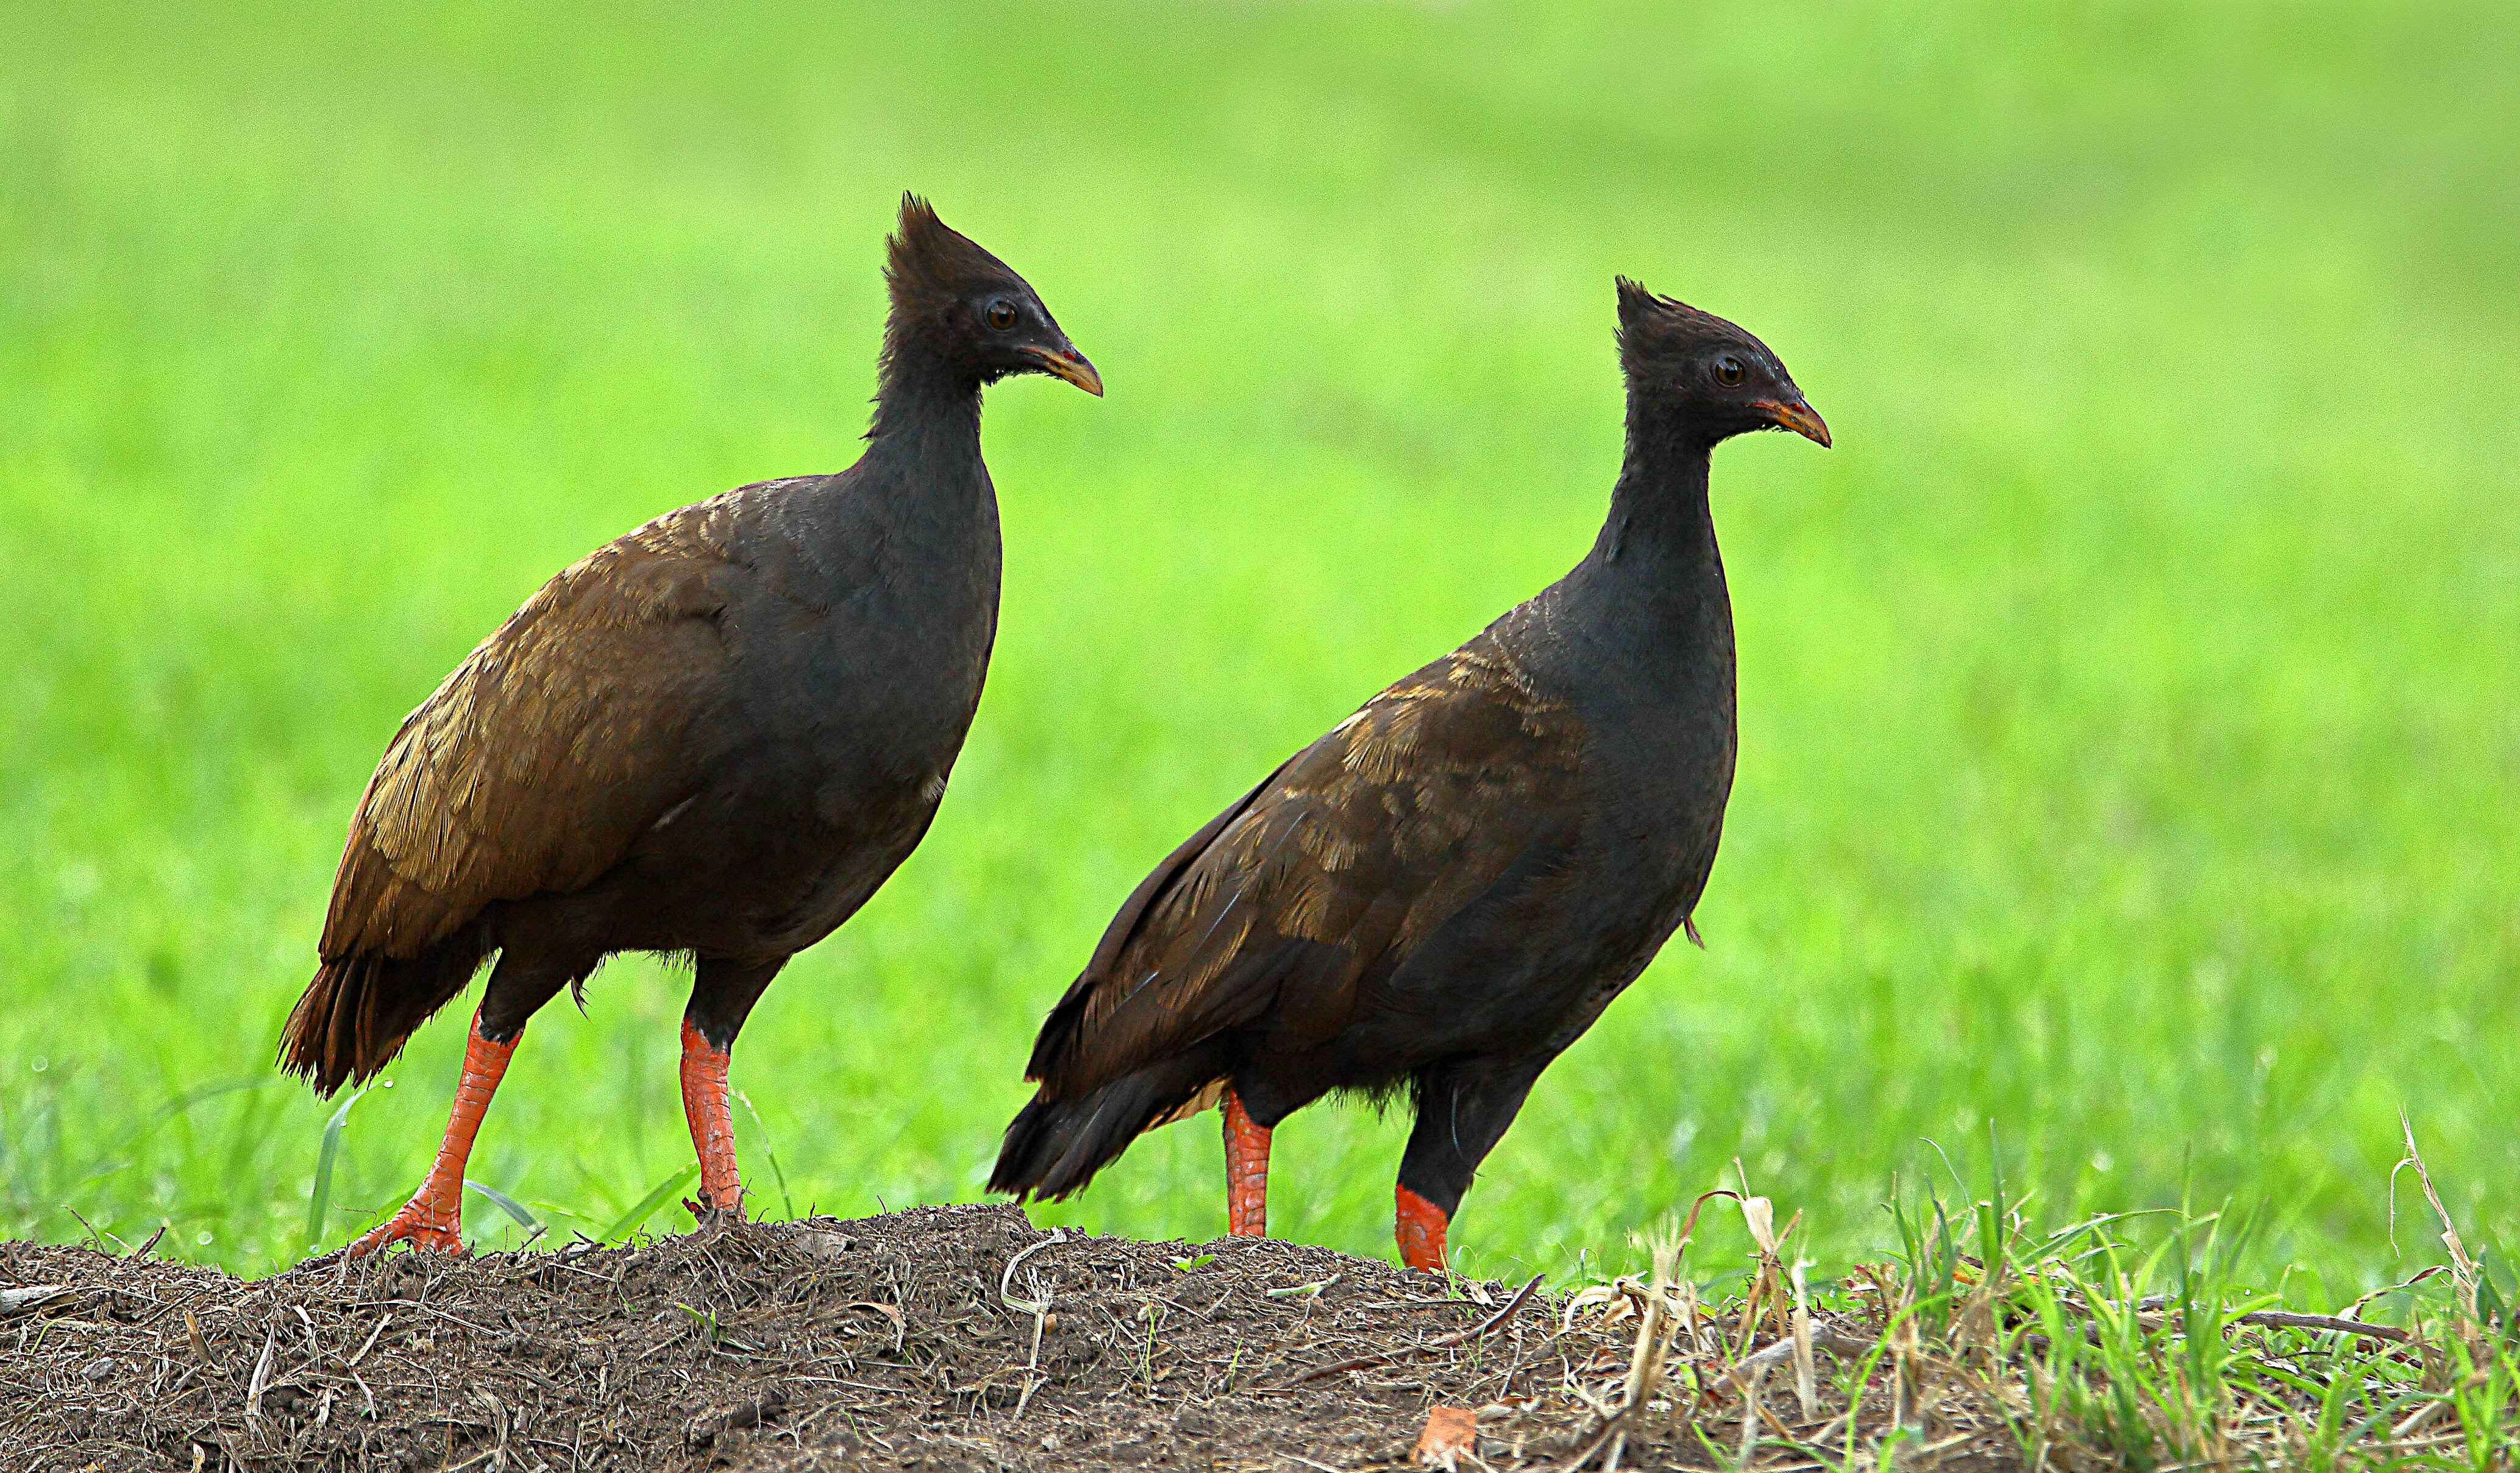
(434, 1216)
(1246, 1171)
(1420, 1226)
(712, 1123)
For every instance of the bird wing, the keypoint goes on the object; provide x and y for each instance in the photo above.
(539, 761)
(1447, 786)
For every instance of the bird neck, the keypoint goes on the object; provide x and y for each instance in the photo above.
(921, 479)
(922, 406)
(1646, 612)
(1660, 533)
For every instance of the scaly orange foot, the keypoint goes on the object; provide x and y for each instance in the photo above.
(712, 1123)
(1419, 1226)
(434, 1218)
(424, 1225)
(1246, 1171)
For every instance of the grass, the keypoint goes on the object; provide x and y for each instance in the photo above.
(2128, 1340)
(2129, 705)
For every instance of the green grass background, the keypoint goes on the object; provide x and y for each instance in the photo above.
(2129, 704)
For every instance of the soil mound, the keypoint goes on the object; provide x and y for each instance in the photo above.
(941, 1338)
(900, 1341)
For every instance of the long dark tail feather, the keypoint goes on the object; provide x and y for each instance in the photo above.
(1055, 1146)
(1057, 1036)
(1060, 1036)
(355, 1015)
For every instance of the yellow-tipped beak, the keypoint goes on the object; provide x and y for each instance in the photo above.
(1798, 416)
(1070, 364)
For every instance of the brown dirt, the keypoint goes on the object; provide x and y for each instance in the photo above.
(881, 1343)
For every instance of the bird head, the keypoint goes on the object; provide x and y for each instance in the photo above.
(965, 313)
(1703, 375)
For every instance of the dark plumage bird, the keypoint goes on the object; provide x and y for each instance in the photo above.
(1446, 890)
(716, 735)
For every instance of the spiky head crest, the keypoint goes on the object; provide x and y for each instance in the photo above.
(927, 261)
(1654, 327)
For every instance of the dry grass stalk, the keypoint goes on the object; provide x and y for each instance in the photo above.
(1806, 1378)
(2463, 1270)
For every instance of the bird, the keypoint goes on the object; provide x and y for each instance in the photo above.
(713, 738)
(1442, 892)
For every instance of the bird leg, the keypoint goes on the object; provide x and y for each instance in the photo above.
(712, 1123)
(1463, 1111)
(1246, 1171)
(434, 1218)
(1420, 1226)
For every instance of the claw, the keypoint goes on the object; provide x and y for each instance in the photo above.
(705, 1213)
(426, 1226)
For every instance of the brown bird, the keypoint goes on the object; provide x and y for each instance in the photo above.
(1442, 893)
(715, 736)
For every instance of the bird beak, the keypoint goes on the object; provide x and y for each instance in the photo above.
(1070, 364)
(1797, 417)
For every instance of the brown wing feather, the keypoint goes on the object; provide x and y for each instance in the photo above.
(1327, 873)
(536, 763)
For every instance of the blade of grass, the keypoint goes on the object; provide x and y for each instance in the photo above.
(507, 1204)
(320, 1203)
(770, 1153)
(646, 1206)
(184, 1102)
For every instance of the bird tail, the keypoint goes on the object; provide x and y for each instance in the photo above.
(1055, 1146)
(358, 1009)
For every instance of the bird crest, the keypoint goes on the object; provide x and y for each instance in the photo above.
(1651, 323)
(925, 257)
(1637, 303)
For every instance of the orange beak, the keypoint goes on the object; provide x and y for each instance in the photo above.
(1070, 364)
(1797, 417)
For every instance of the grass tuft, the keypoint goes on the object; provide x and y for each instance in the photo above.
(319, 1203)
(646, 1206)
(2130, 1341)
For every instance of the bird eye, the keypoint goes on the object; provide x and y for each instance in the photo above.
(1727, 371)
(998, 314)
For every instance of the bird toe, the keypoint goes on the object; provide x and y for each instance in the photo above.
(425, 1230)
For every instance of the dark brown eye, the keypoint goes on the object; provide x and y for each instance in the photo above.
(999, 314)
(1727, 371)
